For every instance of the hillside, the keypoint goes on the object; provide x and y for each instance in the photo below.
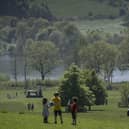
(82, 8)
(64, 8)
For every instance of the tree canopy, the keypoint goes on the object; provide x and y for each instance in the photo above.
(43, 56)
(25, 8)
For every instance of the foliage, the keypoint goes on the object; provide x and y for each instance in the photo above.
(25, 8)
(89, 77)
(101, 57)
(71, 86)
(43, 56)
(125, 95)
(124, 54)
(72, 42)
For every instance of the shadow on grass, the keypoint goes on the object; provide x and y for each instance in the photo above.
(97, 110)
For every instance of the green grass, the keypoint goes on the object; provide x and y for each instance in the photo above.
(85, 121)
(14, 115)
(18, 104)
(68, 8)
(108, 26)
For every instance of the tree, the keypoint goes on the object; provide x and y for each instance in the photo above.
(15, 69)
(41, 9)
(25, 8)
(22, 34)
(43, 56)
(91, 80)
(14, 8)
(124, 54)
(66, 37)
(109, 62)
(71, 86)
(101, 57)
(73, 37)
(125, 95)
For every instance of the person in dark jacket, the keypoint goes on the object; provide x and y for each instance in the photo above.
(74, 108)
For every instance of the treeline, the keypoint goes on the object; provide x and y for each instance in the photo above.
(40, 8)
(45, 45)
(25, 8)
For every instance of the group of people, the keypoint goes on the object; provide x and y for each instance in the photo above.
(56, 103)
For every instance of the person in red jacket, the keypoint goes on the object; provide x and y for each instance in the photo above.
(74, 108)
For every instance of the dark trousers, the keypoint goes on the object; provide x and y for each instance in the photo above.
(74, 117)
(45, 119)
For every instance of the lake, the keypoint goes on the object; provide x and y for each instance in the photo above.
(7, 67)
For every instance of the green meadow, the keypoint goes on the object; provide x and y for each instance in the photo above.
(68, 8)
(104, 25)
(14, 115)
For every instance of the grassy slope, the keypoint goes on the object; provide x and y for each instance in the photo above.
(101, 117)
(81, 8)
(108, 26)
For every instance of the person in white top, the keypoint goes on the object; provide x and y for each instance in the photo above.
(45, 112)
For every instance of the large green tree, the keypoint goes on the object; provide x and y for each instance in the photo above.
(101, 57)
(92, 81)
(71, 86)
(43, 56)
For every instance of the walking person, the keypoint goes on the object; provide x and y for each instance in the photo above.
(57, 107)
(74, 108)
(45, 111)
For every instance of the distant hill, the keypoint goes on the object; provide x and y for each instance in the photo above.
(84, 8)
(64, 8)
(25, 8)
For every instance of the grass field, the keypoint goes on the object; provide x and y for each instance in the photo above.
(105, 25)
(68, 8)
(14, 115)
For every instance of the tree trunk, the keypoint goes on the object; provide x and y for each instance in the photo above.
(42, 76)
(89, 107)
(42, 71)
(15, 69)
(25, 72)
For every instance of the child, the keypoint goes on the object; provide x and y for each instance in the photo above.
(74, 107)
(45, 112)
(57, 107)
